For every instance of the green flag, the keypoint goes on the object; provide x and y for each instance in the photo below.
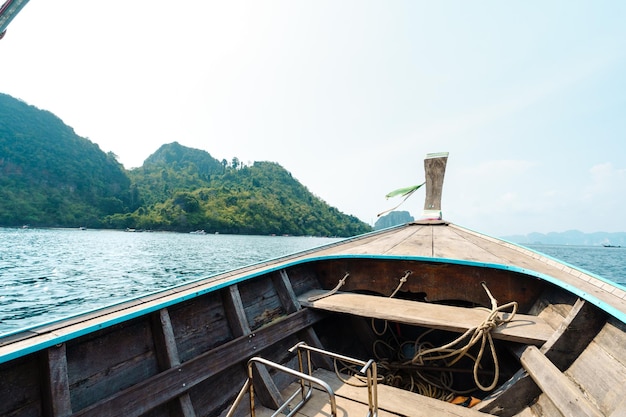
(404, 191)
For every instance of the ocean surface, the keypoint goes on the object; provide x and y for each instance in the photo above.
(49, 274)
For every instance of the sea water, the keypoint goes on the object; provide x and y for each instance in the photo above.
(49, 274)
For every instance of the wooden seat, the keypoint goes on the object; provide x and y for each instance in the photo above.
(526, 329)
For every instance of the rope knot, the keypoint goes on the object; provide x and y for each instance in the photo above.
(481, 333)
(402, 281)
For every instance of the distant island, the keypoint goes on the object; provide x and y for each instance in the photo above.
(571, 237)
(392, 219)
(51, 177)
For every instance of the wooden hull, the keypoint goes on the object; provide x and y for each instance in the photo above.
(183, 352)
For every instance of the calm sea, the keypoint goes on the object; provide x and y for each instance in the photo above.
(49, 274)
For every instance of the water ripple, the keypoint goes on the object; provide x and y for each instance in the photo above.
(48, 274)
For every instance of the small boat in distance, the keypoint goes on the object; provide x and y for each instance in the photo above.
(423, 319)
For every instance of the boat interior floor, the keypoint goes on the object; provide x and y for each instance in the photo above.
(352, 400)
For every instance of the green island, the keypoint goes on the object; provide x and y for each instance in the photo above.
(51, 177)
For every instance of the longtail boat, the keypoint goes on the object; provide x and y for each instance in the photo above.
(422, 319)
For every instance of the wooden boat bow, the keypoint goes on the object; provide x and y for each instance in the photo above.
(167, 353)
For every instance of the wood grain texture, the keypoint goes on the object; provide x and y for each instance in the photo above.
(161, 388)
(167, 355)
(575, 331)
(600, 371)
(56, 385)
(435, 170)
(523, 328)
(352, 401)
(563, 392)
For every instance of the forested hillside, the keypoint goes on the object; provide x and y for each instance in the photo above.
(195, 191)
(49, 176)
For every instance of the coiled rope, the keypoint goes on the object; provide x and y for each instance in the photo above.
(481, 333)
(393, 366)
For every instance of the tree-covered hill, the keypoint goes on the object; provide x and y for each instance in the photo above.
(195, 191)
(49, 176)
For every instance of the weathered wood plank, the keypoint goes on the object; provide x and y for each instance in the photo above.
(105, 362)
(620, 411)
(572, 335)
(434, 281)
(418, 242)
(395, 400)
(601, 376)
(20, 385)
(164, 340)
(319, 406)
(169, 384)
(236, 315)
(285, 292)
(57, 387)
(565, 395)
(387, 243)
(544, 407)
(523, 329)
(484, 248)
(199, 325)
(290, 302)
(167, 356)
(262, 305)
(235, 312)
(450, 243)
(612, 339)
(435, 170)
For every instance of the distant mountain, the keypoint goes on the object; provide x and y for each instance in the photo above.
(393, 219)
(571, 237)
(49, 176)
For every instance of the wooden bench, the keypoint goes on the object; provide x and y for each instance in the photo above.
(526, 329)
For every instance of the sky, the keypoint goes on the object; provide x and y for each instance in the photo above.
(528, 97)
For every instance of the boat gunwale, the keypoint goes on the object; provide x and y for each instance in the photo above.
(175, 295)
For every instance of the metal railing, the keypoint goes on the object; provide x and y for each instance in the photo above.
(368, 369)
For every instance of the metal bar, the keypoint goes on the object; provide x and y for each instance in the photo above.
(302, 376)
(305, 398)
(367, 368)
(242, 392)
(303, 345)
